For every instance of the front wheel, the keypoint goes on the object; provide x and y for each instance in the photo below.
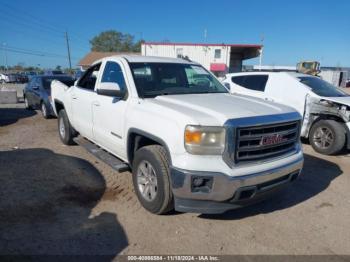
(65, 130)
(327, 137)
(150, 172)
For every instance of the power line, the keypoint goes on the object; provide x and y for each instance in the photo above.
(76, 46)
(34, 52)
(25, 24)
(34, 19)
(37, 37)
(28, 20)
(37, 24)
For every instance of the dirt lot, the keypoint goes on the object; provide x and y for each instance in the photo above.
(56, 199)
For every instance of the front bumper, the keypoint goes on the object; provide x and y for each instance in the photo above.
(228, 192)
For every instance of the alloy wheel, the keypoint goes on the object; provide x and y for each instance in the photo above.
(147, 181)
(62, 128)
(323, 137)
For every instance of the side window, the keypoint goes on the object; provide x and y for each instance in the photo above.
(252, 82)
(179, 52)
(217, 53)
(31, 83)
(113, 73)
(35, 82)
(88, 80)
(238, 80)
(40, 82)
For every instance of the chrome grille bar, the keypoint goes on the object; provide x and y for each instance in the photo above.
(267, 141)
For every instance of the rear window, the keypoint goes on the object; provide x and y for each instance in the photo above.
(321, 87)
(252, 82)
(68, 81)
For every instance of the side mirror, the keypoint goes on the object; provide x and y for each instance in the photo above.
(110, 89)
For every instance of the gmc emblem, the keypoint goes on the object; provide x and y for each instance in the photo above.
(272, 140)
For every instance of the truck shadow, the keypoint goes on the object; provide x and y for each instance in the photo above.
(316, 176)
(10, 116)
(46, 200)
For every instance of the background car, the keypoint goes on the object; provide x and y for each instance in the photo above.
(37, 93)
(326, 108)
(4, 78)
(30, 74)
(78, 74)
(22, 78)
(53, 72)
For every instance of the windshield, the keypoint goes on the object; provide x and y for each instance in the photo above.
(321, 87)
(154, 79)
(68, 81)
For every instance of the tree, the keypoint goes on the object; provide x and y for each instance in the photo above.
(114, 41)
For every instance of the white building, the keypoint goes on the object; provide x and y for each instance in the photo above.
(218, 58)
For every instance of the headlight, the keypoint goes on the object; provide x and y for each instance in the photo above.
(205, 140)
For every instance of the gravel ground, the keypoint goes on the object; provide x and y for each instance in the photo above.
(56, 199)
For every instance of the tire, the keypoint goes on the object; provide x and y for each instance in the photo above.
(26, 104)
(327, 137)
(147, 158)
(44, 111)
(65, 131)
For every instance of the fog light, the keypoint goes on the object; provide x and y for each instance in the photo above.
(201, 184)
(198, 181)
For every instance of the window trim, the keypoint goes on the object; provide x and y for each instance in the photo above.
(83, 76)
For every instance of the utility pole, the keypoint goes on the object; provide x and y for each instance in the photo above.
(261, 52)
(260, 58)
(68, 50)
(5, 55)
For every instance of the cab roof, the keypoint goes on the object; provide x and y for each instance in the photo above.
(147, 59)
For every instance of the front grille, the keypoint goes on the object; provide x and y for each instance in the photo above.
(257, 143)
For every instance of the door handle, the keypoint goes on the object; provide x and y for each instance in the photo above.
(96, 103)
(74, 97)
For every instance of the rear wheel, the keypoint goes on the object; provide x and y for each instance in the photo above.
(151, 179)
(65, 130)
(44, 111)
(327, 137)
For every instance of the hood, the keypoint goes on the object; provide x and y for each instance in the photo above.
(345, 100)
(216, 109)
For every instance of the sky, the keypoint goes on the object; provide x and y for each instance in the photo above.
(291, 30)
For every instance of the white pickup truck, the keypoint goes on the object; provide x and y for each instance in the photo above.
(190, 144)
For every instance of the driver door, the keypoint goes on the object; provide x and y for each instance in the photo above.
(109, 112)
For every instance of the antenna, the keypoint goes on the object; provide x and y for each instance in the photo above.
(205, 35)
